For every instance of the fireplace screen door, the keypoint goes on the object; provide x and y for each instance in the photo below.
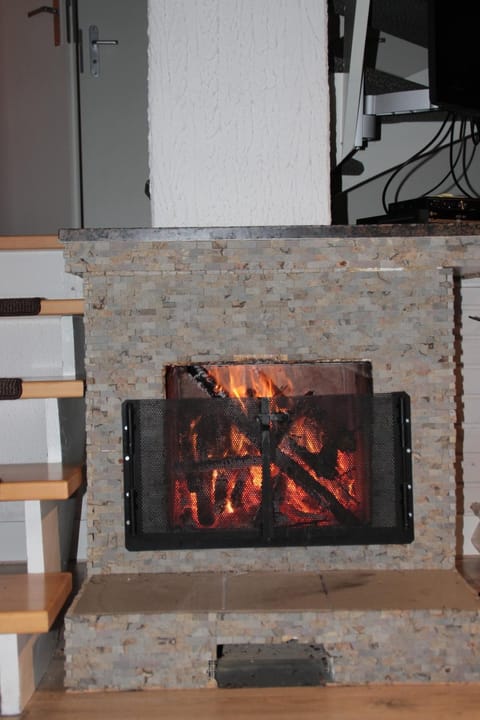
(267, 471)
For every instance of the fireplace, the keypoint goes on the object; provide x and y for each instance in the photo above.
(264, 454)
(300, 299)
(210, 297)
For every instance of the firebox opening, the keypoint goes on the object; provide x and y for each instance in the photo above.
(268, 379)
(264, 454)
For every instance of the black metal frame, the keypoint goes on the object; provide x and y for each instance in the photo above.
(394, 480)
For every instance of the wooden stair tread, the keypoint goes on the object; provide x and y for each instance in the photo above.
(30, 242)
(39, 481)
(67, 306)
(52, 388)
(29, 603)
(48, 307)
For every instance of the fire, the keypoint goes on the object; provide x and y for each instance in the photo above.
(315, 468)
(244, 381)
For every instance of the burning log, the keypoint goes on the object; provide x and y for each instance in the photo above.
(284, 462)
(186, 519)
(239, 487)
(324, 463)
(315, 489)
(205, 510)
(229, 464)
(221, 491)
(206, 382)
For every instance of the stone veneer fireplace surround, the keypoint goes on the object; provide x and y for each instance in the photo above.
(159, 297)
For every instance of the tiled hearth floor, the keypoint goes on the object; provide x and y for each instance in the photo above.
(276, 592)
(336, 589)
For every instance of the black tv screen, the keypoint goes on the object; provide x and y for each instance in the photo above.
(454, 56)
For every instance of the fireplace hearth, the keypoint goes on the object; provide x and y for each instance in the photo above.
(249, 463)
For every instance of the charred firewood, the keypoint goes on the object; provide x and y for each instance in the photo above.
(205, 513)
(323, 463)
(285, 463)
(238, 488)
(221, 490)
(225, 464)
(206, 382)
(314, 488)
(186, 520)
(279, 494)
(200, 487)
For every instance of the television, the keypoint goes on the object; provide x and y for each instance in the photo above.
(454, 57)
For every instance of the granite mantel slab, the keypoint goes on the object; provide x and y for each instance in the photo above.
(165, 234)
(281, 249)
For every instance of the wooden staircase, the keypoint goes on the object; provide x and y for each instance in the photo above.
(30, 603)
(50, 489)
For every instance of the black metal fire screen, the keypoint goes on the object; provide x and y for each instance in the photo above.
(310, 470)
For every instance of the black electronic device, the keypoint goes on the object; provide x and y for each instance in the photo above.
(453, 57)
(433, 208)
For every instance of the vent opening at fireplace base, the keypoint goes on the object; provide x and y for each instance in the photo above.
(288, 664)
(254, 471)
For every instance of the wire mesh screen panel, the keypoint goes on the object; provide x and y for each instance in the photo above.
(267, 471)
(215, 468)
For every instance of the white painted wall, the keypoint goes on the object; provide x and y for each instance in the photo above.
(238, 112)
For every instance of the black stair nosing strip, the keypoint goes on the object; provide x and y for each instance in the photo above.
(10, 388)
(13, 307)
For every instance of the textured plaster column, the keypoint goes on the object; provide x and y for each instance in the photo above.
(238, 112)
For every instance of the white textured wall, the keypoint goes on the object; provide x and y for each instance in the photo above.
(238, 112)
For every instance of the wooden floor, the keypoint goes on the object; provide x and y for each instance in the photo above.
(422, 702)
(371, 702)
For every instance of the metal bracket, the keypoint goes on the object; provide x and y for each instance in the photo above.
(43, 9)
(50, 10)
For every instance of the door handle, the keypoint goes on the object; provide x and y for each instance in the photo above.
(94, 43)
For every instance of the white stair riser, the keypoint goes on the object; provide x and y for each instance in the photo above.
(30, 431)
(31, 347)
(13, 534)
(12, 539)
(37, 274)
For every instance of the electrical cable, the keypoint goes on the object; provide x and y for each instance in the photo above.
(413, 158)
(423, 162)
(475, 130)
(446, 176)
(378, 175)
(418, 166)
(388, 170)
(456, 179)
(466, 165)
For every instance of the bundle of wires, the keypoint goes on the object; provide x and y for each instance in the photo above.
(460, 137)
(452, 135)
